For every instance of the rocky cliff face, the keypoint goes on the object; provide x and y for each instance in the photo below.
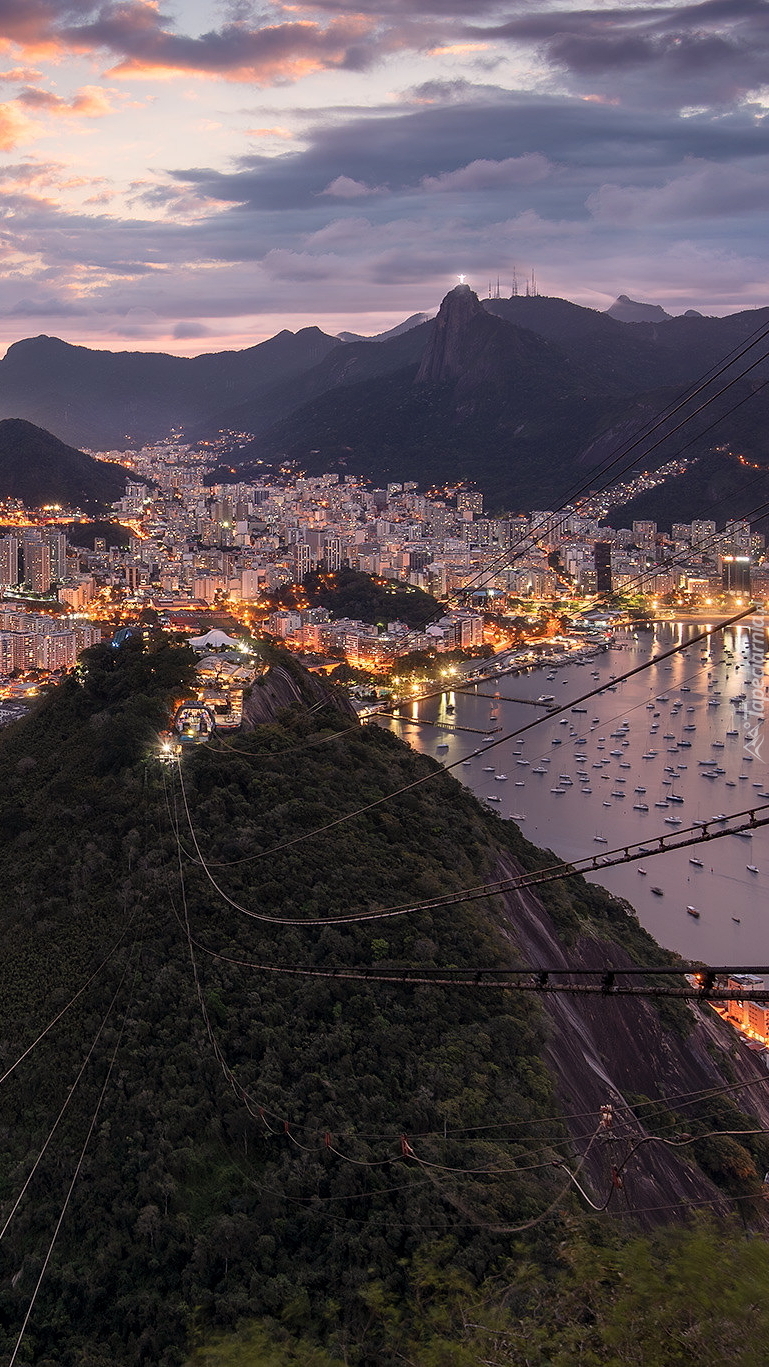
(463, 330)
(285, 687)
(605, 1050)
(489, 360)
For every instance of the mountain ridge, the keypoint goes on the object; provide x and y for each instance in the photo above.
(39, 469)
(534, 389)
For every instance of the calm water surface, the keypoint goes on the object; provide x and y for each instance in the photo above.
(695, 690)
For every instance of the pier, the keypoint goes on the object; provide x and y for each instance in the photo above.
(442, 725)
(502, 697)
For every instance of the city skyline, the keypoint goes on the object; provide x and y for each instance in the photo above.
(200, 175)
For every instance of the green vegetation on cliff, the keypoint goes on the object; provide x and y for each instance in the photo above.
(212, 1199)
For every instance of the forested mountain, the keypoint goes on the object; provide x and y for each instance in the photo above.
(244, 1183)
(527, 396)
(38, 468)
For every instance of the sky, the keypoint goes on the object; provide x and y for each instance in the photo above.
(197, 175)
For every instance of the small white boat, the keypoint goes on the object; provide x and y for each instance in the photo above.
(698, 864)
(492, 797)
(600, 840)
(751, 868)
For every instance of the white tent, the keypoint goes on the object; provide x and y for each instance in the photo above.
(213, 640)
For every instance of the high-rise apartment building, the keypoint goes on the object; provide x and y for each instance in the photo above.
(470, 501)
(37, 560)
(602, 560)
(10, 570)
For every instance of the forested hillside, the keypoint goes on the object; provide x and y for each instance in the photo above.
(243, 1192)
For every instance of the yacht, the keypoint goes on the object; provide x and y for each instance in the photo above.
(698, 864)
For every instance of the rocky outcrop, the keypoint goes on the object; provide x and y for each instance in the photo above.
(463, 332)
(627, 310)
(610, 1050)
(287, 686)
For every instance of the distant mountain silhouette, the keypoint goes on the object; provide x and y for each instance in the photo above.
(105, 400)
(38, 468)
(406, 326)
(344, 365)
(524, 395)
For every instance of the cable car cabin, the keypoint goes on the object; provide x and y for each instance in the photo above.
(193, 723)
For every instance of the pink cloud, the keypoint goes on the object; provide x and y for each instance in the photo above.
(236, 51)
(491, 175)
(14, 127)
(90, 101)
(344, 187)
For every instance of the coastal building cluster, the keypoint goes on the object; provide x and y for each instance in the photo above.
(187, 546)
(749, 1016)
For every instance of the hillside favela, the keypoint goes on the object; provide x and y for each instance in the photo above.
(385, 843)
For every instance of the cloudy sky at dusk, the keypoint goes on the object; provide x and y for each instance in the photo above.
(189, 175)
